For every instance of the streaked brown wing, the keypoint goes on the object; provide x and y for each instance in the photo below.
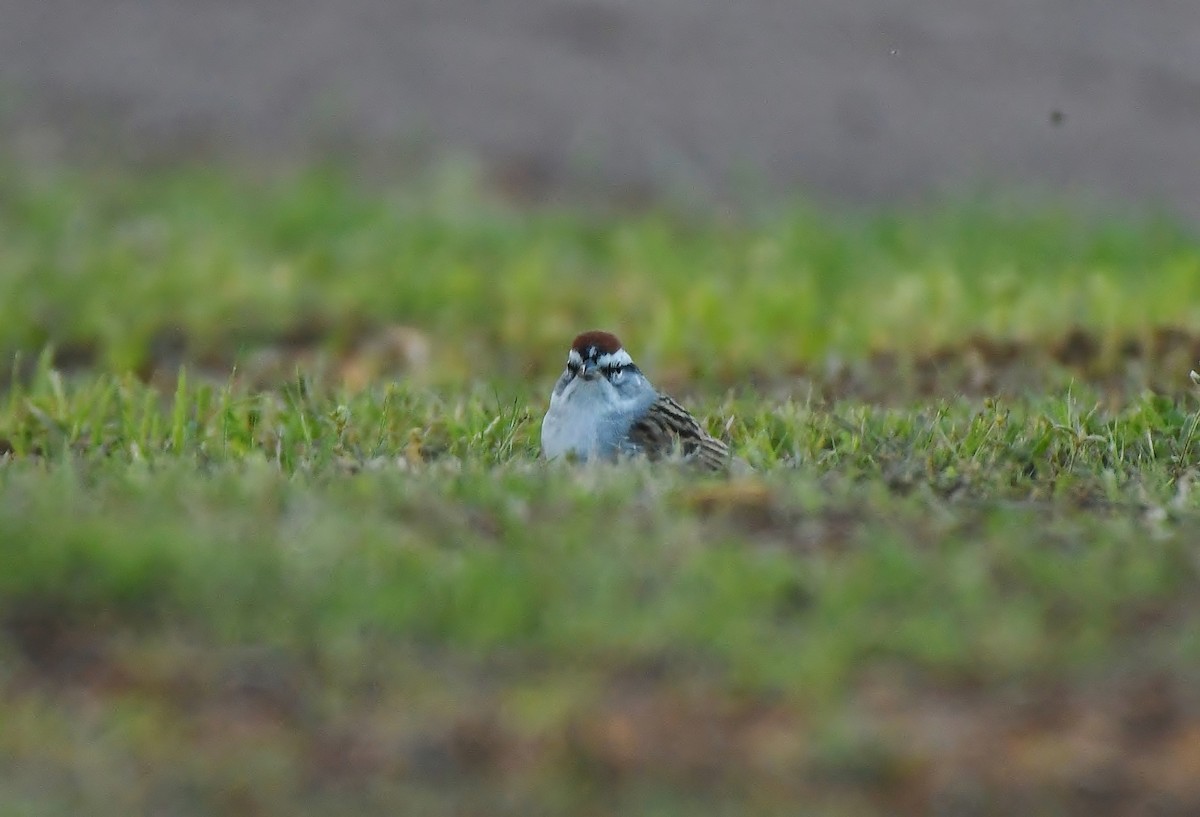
(667, 426)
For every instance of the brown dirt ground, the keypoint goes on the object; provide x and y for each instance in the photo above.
(854, 101)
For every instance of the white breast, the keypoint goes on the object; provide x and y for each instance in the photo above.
(590, 420)
(566, 430)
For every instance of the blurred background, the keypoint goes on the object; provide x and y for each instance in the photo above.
(849, 101)
(284, 288)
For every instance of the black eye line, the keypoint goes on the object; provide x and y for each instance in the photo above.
(608, 370)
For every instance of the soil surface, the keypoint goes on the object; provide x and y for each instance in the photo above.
(852, 101)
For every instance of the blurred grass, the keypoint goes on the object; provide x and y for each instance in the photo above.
(309, 596)
(113, 264)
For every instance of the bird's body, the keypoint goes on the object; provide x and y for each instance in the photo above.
(589, 421)
(603, 407)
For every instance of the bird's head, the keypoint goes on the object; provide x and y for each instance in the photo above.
(599, 366)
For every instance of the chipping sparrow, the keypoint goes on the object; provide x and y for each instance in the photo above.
(603, 406)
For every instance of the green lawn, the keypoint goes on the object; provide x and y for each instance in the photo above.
(275, 539)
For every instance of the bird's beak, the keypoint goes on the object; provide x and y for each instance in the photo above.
(588, 370)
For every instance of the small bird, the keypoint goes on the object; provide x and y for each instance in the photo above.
(603, 406)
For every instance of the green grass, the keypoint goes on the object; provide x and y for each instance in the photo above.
(114, 266)
(959, 578)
